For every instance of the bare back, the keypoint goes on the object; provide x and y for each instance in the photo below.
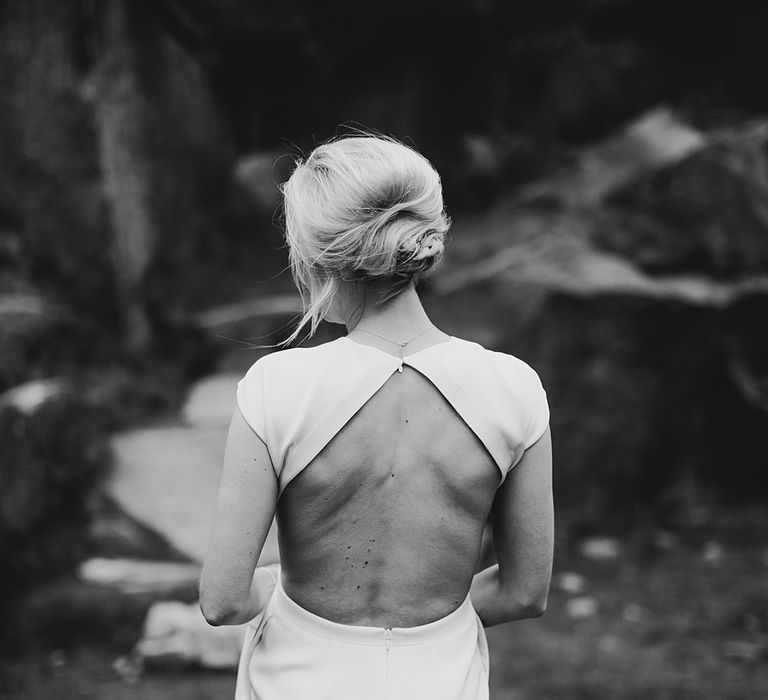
(384, 525)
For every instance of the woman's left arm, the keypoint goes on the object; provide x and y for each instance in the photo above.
(230, 593)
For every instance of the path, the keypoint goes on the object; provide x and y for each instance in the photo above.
(167, 476)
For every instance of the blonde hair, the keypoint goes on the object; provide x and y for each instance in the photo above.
(361, 208)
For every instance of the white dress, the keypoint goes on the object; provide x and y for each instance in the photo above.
(296, 401)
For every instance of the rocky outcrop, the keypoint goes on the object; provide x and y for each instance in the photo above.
(176, 634)
(134, 576)
(635, 283)
(655, 139)
(707, 213)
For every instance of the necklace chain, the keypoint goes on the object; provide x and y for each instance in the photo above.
(401, 344)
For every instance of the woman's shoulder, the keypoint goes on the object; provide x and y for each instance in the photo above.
(508, 388)
(495, 360)
(295, 359)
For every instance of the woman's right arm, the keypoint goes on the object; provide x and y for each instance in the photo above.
(523, 534)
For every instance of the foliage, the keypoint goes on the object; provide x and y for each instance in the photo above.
(51, 462)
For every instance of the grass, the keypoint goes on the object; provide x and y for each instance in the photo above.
(670, 623)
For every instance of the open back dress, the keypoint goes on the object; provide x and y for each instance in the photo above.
(297, 401)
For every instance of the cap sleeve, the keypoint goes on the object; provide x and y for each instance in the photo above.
(534, 398)
(250, 400)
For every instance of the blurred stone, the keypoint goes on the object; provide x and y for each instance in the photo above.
(713, 552)
(746, 344)
(743, 650)
(57, 659)
(129, 668)
(136, 576)
(554, 251)
(569, 582)
(581, 608)
(27, 398)
(698, 515)
(655, 139)
(653, 405)
(671, 368)
(609, 644)
(211, 401)
(18, 306)
(665, 540)
(632, 612)
(177, 634)
(600, 548)
(112, 533)
(167, 477)
(706, 213)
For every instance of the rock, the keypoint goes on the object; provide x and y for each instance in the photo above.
(655, 139)
(112, 533)
(647, 329)
(167, 478)
(129, 668)
(581, 608)
(136, 576)
(743, 650)
(27, 398)
(609, 644)
(705, 213)
(746, 344)
(665, 540)
(177, 634)
(632, 612)
(643, 400)
(569, 582)
(601, 548)
(622, 355)
(713, 552)
(555, 252)
(57, 659)
(20, 310)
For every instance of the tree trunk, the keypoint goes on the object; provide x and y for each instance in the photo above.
(124, 119)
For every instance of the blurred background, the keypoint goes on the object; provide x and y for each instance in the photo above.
(605, 163)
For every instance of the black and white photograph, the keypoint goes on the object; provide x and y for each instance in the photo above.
(405, 350)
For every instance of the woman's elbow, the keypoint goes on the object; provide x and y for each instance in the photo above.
(529, 604)
(218, 609)
(217, 612)
(537, 606)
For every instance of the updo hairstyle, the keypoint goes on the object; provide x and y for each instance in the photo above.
(361, 208)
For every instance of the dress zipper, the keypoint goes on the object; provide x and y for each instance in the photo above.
(387, 635)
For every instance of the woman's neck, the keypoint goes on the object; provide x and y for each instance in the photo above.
(398, 319)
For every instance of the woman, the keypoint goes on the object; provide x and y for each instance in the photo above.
(383, 454)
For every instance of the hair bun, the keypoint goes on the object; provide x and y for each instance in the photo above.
(430, 246)
(362, 208)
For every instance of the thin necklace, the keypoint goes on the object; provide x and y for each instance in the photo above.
(400, 344)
